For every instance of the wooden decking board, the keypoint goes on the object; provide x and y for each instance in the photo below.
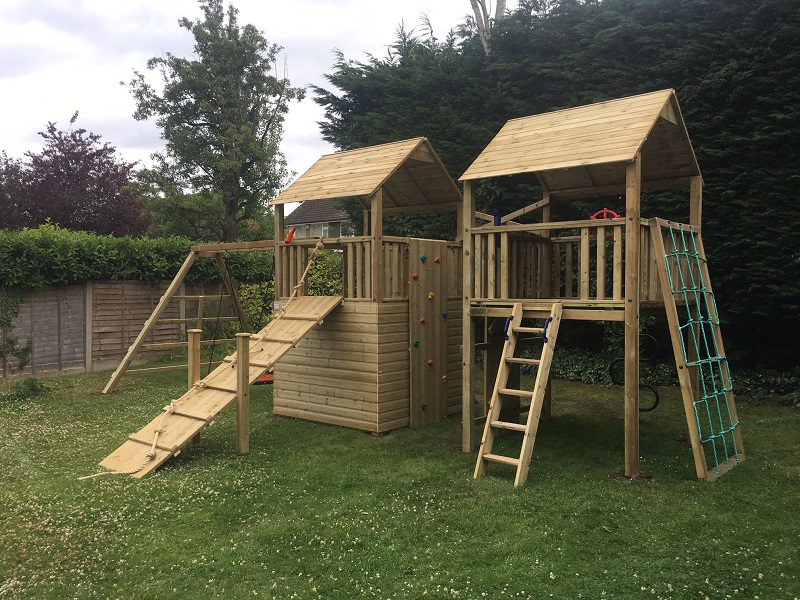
(199, 406)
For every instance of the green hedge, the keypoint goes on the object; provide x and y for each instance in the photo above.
(50, 255)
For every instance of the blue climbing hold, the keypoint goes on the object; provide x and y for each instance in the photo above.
(444, 315)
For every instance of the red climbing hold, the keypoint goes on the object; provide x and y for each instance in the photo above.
(415, 276)
(422, 320)
(430, 363)
(437, 259)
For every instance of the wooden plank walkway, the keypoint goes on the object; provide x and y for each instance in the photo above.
(200, 405)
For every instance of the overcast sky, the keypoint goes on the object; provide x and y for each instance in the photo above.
(59, 56)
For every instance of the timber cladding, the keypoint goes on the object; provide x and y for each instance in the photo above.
(352, 370)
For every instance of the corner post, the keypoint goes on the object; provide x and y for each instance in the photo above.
(242, 393)
(376, 236)
(546, 287)
(633, 177)
(468, 333)
(278, 226)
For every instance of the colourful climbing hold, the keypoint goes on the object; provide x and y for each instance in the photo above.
(415, 342)
(422, 320)
(444, 315)
(437, 259)
(415, 276)
(430, 362)
(444, 378)
(430, 296)
(423, 258)
(424, 406)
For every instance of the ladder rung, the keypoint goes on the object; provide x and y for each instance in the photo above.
(508, 425)
(300, 317)
(529, 329)
(506, 460)
(519, 393)
(220, 388)
(523, 361)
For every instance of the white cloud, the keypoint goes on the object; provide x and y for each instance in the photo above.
(57, 57)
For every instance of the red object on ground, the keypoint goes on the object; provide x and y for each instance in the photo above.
(265, 379)
(290, 235)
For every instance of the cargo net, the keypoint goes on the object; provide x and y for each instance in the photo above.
(699, 334)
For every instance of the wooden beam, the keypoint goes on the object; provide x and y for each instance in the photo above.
(633, 177)
(696, 203)
(238, 246)
(468, 332)
(376, 237)
(150, 323)
(525, 210)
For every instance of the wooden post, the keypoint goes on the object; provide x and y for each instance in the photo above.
(696, 221)
(193, 370)
(242, 393)
(193, 363)
(468, 334)
(278, 235)
(633, 176)
(546, 285)
(376, 236)
(696, 202)
(88, 361)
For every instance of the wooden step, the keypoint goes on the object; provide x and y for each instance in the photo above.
(518, 393)
(301, 317)
(220, 388)
(508, 425)
(523, 361)
(506, 460)
(529, 329)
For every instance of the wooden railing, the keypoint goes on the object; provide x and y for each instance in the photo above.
(578, 260)
(357, 266)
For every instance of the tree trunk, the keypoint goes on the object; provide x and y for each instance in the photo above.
(484, 23)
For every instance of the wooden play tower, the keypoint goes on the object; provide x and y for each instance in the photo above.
(390, 356)
(608, 270)
(398, 347)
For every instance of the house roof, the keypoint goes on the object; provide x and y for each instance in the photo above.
(582, 151)
(412, 176)
(323, 211)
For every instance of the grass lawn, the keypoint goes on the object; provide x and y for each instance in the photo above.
(321, 511)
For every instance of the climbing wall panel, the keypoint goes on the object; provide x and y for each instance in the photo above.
(427, 314)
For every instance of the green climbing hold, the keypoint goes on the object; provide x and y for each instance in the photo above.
(415, 342)
(423, 258)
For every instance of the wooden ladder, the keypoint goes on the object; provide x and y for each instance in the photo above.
(549, 333)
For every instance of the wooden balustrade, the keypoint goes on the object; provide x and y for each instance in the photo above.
(578, 260)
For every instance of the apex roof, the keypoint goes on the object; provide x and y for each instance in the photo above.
(411, 174)
(582, 151)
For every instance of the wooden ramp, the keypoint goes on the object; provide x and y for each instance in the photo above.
(200, 405)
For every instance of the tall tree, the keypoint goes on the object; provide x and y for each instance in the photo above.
(221, 115)
(483, 22)
(75, 181)
(736, 67)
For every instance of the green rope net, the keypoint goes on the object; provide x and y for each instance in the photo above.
(699, 333)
